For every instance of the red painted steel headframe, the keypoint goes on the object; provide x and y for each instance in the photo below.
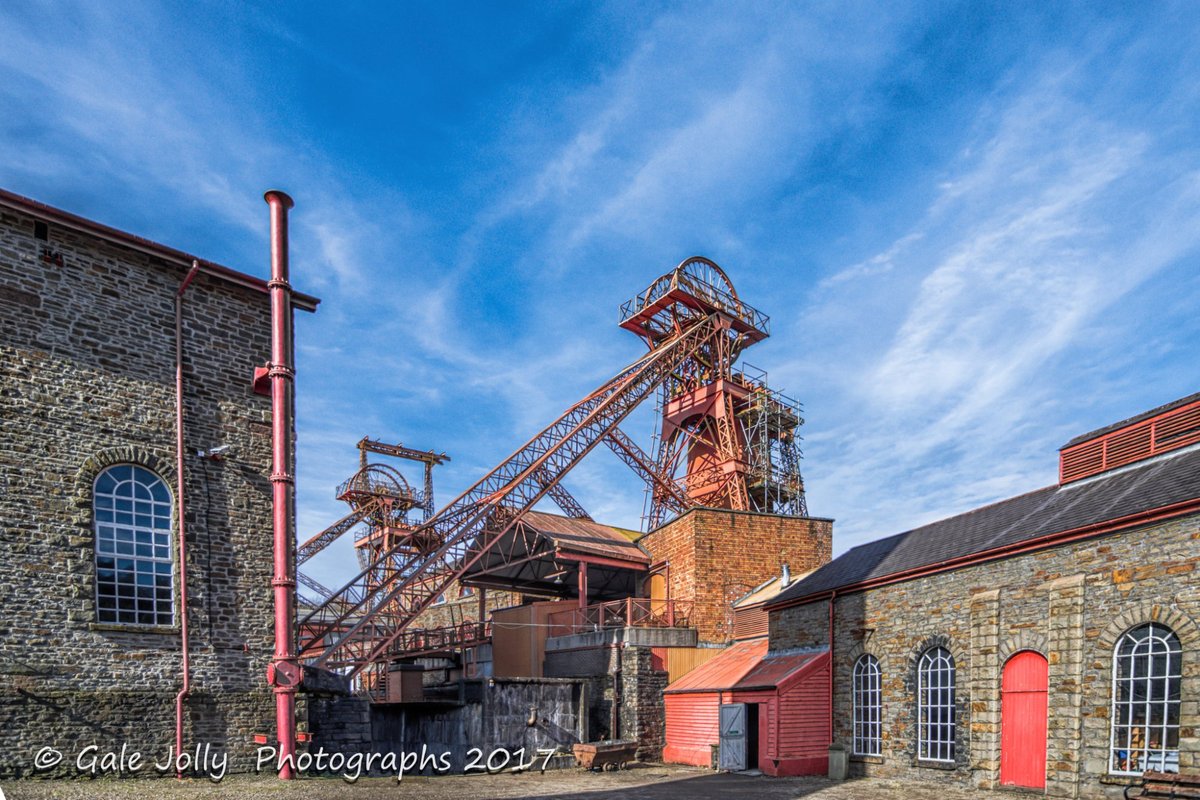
(725, 440)
(695, 326)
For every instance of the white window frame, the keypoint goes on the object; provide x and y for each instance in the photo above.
(867, 692)
(132, 519)
(1152, 667)
(936, 712)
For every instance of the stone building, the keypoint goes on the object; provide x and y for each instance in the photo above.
(1048, 641)
(90, 651)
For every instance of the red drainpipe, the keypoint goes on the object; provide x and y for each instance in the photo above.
(284, 674)
(832, 598)
(183, 590)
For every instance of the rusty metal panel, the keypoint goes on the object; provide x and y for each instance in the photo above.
(682, 660)
(519, 639)
(585, 536)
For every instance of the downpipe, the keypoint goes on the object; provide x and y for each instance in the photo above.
(179, 499)
(284, 673)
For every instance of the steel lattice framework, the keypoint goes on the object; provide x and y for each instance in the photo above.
(695, 326)
(361, 621)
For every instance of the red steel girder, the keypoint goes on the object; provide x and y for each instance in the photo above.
(387, 607)
(563, 498)
(331, 534)
(665, 491)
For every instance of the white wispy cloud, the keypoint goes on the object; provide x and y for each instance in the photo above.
(1020, 254)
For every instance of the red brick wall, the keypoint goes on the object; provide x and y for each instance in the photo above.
(717, 556)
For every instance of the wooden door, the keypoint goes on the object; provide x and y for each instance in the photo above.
(732, 737)
(1023, 721)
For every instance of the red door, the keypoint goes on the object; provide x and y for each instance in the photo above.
(1023, 721)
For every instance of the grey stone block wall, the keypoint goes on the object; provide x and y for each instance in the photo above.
(87, 380)
(1070, 603)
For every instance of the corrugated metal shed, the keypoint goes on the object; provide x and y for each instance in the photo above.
(791, 691)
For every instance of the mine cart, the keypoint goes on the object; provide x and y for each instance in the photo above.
(609, 754)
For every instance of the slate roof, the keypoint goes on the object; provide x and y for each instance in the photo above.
(1144, 486)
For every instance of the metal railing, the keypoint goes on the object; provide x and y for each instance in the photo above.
(415, 641)
(708, 295)
(632, 612)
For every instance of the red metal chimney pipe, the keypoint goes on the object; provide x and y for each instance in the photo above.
(284, 672)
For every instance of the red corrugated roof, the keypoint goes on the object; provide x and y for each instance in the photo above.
(724, 671)
(773, 670)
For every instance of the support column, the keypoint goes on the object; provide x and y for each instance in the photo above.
(985, 688)
(1063, 729)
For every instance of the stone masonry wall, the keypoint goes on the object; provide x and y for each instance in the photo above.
(86, 381)
(1070, 603)
(643, 712)
(717, 556)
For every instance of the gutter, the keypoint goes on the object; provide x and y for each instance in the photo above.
(65, 219)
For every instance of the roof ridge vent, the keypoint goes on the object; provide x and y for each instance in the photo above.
(1162, 430)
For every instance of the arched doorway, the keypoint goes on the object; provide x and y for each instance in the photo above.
(1023, 721)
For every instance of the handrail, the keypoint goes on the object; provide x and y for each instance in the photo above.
(632, 612)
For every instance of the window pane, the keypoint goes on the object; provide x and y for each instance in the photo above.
(935, 705)
(132, 512)
(867, 711)
(1145, 704)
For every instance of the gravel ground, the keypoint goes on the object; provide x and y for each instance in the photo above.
(642, 782)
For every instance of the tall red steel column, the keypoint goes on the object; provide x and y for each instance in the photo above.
(284, 671)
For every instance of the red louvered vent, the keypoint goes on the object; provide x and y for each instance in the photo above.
(1140, 440)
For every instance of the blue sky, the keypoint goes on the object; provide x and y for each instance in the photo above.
(974, 226)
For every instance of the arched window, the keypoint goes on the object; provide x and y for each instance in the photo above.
(867, 707)
(1145, 701)
(935, 705)
(134, 567)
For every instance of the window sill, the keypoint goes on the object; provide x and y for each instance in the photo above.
(868, 759)
(949, 766)
(112, 627)
(1120, 780)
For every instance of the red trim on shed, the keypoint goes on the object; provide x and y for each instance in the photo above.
(790, 689)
